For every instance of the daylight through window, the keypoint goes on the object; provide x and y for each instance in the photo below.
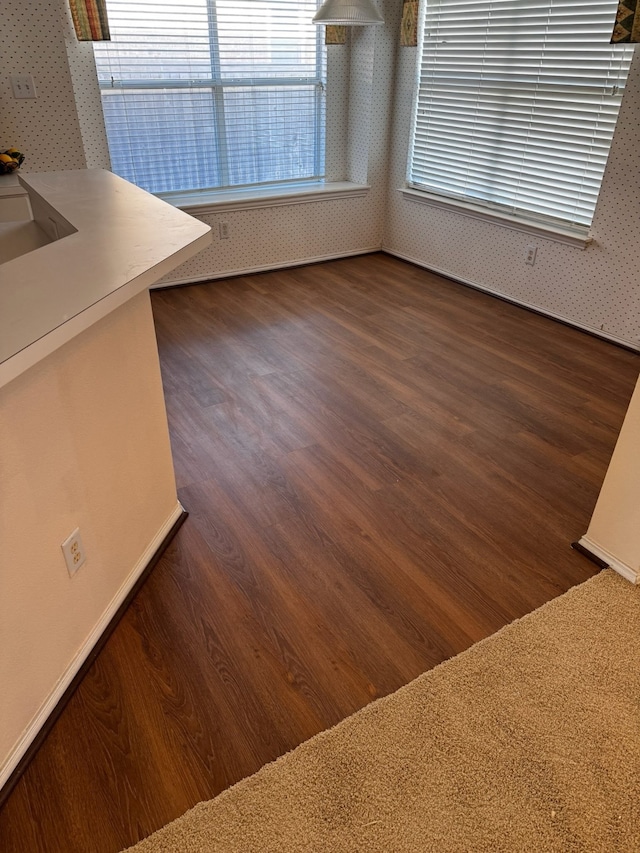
(213, 93)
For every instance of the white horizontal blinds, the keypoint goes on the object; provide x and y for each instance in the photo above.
(517, 104)
(213, 93)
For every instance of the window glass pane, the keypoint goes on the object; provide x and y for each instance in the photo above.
(267, 38)
(213, 93)
(155, 40)
(270, 133)
(162, 140)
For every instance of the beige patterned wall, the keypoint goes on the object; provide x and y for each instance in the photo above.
(63, 127)
(88, 102)
(597, 288)
(337, 94)
(46, 128)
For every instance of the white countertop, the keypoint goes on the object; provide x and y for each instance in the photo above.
(120, 240)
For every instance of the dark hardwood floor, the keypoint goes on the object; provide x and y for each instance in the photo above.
(381, 468)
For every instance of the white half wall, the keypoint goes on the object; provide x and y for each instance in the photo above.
(614, 530)
(83, 443)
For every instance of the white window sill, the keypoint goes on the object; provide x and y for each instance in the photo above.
(578, 236)
(221, 201)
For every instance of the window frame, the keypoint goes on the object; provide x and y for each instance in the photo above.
(554, 228)
(218, 84)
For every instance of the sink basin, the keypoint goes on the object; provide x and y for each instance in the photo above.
(26, 222)
(19, 237)
(19, 234)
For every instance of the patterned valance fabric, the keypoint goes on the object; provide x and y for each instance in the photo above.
(90, 20)
(409, 26)
(627, 28)
(335, 34)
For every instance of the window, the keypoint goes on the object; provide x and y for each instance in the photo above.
(517, 103)
(208, 94)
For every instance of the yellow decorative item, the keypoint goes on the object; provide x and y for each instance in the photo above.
(10, 160)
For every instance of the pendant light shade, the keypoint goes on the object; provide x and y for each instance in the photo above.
(348, 13)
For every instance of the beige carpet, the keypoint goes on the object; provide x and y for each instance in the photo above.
(529, 741)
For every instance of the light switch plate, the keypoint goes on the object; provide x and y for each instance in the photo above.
(23, 86)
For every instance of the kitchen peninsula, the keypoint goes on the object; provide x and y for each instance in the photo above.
(83, 433)
(103, 240)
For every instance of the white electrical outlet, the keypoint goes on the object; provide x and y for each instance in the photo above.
(530, 257)
(73, 551)
(23, 86)
(223, 230)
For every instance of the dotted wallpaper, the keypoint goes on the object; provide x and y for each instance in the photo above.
(46, 128)
(363, 55)
(280, 236)
(597, 287)
(337, 93)
(84, 79)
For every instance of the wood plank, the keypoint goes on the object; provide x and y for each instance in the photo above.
(381, 468)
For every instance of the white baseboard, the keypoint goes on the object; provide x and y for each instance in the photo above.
(301, 262)
(41, 716)
(529, 305)
(613, 562)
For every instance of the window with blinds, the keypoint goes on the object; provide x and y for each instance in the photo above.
(206, 94)
(517, 103)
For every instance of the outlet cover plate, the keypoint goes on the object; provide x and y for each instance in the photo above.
(73, 551)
